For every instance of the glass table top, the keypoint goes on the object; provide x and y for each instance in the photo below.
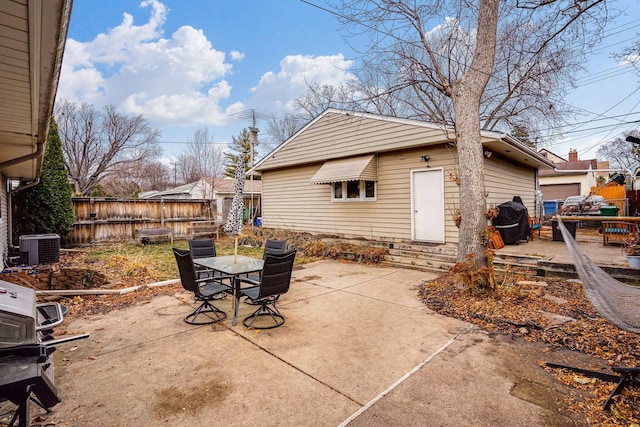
(227, 265)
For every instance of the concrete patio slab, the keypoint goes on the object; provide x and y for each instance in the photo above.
(357, 348)
(475, 381)
(200, 376)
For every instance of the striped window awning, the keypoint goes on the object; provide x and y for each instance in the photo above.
(351, 169)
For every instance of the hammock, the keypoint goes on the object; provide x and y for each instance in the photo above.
(614, 300)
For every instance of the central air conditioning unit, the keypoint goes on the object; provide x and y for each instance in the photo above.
(39, 249)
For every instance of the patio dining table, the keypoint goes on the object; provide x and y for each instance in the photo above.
(235, 266)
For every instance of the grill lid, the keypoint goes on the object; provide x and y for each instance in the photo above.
(17, 315)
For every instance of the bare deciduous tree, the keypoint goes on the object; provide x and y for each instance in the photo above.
(631, 55)
(129, 179)
(279, 129)
(314, 101)
(154, 176)
(319, 97)
(203, 158)
(97, 143)
(490, 64)
(621, 153)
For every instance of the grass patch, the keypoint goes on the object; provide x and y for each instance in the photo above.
(136, 260)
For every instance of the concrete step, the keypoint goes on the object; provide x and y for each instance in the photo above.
(627, 275)
(420, 257)
(443, 258)
(504, 262)
(436, 269)
(450, 250)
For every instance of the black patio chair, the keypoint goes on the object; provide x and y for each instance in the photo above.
(276, 247)
(274, 281)
(203, 248)
(272, 246)
(204, 290)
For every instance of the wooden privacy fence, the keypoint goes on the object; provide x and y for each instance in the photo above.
(116, 220)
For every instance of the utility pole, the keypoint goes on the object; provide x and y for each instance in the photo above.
(175, 173)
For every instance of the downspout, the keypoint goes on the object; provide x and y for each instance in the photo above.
(39, 152)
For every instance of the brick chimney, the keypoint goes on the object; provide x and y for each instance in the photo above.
(573, 155)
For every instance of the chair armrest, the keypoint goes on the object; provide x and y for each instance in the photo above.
(215, 279)
(249, 281)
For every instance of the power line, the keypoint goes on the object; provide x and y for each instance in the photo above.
(604, 75)
(350, 19)
(191, 142)
(628, 123)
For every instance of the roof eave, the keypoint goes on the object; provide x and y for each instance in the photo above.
(48, 22)
(516, 150)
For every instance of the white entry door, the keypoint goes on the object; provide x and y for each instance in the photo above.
(427, 205)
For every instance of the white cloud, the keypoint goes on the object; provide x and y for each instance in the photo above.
(181, 81)
(236, 56)
(176, 80)
(276, 90)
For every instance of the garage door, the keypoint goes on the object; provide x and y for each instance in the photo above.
(559, 191)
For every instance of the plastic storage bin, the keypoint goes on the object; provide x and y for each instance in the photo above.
(551, 206)
(557, 234)
(609, 211)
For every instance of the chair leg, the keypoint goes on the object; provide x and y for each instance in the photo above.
(211, 312)
(267, 308)
(251, 301)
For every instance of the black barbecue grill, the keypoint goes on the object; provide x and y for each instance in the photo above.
(26, 342)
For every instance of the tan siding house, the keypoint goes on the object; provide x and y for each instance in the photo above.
(394, 178)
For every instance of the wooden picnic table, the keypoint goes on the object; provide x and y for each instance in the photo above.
(613, 228)
(599, 218)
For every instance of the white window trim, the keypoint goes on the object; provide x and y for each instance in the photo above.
(362, 197)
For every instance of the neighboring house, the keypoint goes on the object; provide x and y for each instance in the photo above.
(382, 178)
(571, 177)
(221, 189)
(552, 157)
(33, 39)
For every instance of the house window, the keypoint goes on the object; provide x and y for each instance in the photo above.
(369, 189)
(337, 190)
(353, 191)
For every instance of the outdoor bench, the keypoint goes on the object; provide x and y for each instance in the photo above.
(203, 228)
(616, 231)
(148, 235)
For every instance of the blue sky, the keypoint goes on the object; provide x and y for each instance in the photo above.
(188, 64)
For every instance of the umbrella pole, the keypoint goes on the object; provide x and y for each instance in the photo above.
(235, 251)
(235, 259)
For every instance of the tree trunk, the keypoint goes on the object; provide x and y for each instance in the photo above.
(472, 188)
(466, 95)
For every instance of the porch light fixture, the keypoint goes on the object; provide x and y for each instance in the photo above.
(425, 158)
(488, 153)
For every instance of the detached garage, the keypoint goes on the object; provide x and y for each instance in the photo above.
(559, 191)
(360, 175)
